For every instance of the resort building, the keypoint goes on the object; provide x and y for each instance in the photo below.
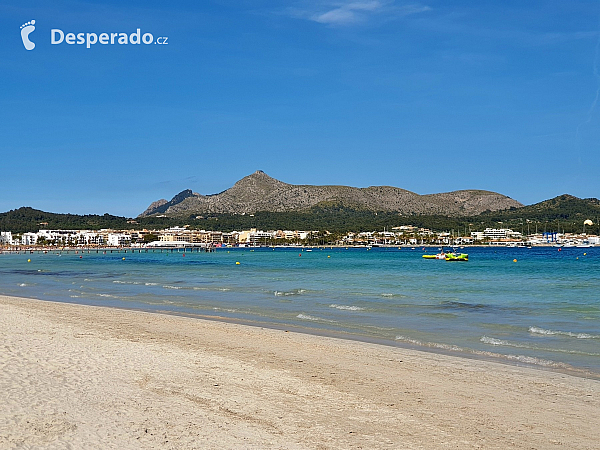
(90, 238)
(208, 237)
(477, 235)
(118, 239)
(6, 238)
(176, 234)
(500, 233)
(29, 238)
(254, 236)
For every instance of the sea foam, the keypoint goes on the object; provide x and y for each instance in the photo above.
(314, 319)
(499, 342)
(294, 292)
(542, 331)
(494, 341)
(430, 344)
(347, 308)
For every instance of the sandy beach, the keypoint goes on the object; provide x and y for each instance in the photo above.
(76, 376)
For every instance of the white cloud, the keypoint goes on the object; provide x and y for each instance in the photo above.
(352, 12)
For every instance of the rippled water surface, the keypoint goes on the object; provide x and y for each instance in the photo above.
(543, 309)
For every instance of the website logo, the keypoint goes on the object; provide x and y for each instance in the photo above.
(58, 36)
(26, 30)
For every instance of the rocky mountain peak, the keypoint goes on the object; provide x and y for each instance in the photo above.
(256, 183)
(260, 192)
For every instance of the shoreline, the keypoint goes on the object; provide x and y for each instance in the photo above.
(105, 377)
(426, 347)
(432, 348)
(194, 246)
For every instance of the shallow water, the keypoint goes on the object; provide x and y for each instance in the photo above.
(544, 309)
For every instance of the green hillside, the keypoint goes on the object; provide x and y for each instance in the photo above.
(564, 213)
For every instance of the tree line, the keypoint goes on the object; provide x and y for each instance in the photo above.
(561, 214)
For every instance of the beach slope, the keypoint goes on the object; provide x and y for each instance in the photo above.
(89, 377)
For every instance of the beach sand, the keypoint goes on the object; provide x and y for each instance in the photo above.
(74, 376)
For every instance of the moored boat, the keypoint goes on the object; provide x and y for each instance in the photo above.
(457, 257)
(440, 255)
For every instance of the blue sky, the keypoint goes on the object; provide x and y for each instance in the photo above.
(428, 96)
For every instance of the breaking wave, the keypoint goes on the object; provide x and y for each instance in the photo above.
(430, 344)
(346, 307)
(494, 341)
(542, 331)
(294, 292)
(231, 310)
(520, 358)
(313, 318)
(500, 342)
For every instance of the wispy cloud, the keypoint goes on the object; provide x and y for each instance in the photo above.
(353, 12)
(466, 22)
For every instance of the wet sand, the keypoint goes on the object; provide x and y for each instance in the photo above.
(74, 376)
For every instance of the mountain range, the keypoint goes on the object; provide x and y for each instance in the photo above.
(565, 213)
(260, 192)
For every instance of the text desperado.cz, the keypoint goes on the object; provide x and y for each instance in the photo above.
(58, 37)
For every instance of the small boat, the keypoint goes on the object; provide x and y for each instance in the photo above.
(440, 255)
(457, 257)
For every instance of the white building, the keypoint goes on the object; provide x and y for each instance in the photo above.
(118, 239)
(6, 238)
(500, 233)
(29, 238)
(90, 238)
(59, 237)
(477, 235)
(254, 236)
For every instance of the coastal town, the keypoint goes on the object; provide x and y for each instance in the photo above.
(184, 237)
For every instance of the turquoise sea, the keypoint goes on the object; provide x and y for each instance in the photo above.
(543, 309)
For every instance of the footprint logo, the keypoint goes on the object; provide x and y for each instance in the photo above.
(26, 30)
